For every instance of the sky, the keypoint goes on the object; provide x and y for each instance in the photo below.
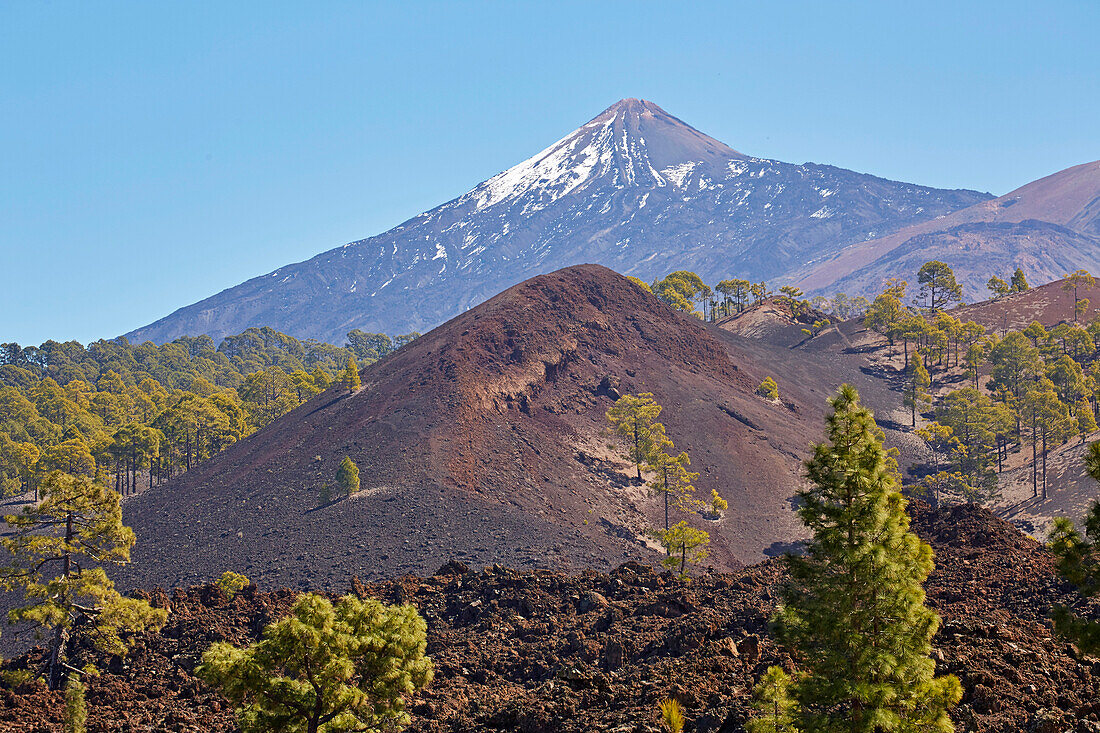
(154, 154)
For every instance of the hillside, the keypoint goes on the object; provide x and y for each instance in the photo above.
(1048, 227)
(1048, 304)
(484, 440)
(542, 652)
(774, 321)
(635, 189)
(1071, 490)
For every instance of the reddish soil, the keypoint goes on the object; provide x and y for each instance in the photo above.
(774, 321)
(1048, 304)
(485, 440)
(542, 651)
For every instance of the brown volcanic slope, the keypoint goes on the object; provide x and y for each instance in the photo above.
(1048, 304)
(544, 652)
(482, 440)
(1048, 227)
(773, 321)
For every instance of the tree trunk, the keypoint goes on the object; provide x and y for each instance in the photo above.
(61, 632)
(57, 657)
(1034, 464)
(1044, 464)
(666, 506)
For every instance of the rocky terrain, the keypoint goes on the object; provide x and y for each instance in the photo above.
(485, 440)
(1049, 227)
(543, 651)
(635, 189)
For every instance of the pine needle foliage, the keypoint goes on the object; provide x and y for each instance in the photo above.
(59, 552)
(233, 583)
(673, 482)
(683, 544)
(854, 613)
(350, 378)
(773, 704)
(634, 417)
(327, 668)
(347, 476)
(1079, 563)
(76, 711)
(917, 382)
(768, 389)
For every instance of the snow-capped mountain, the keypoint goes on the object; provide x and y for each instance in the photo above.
(634, 189)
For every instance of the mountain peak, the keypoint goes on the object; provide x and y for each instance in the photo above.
(633, 143)
(634, 188)
(632, 105)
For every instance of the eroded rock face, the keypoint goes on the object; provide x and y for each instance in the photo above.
(515, 651)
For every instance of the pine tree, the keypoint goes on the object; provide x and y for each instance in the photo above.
(1019, 281)
(673, 481)
(1086, 421)
(347, 476)
(885, 315)
(1079, 563)
(774, 707)
(917, 382)
(937, 282)
(717, 504)
(683, 544)
(854, 614)
(76, 531)
(768, 389)
(1047, 421)
(1074, 281)
(352, 665)
(350, 378)
(634, 417)
(998, 288)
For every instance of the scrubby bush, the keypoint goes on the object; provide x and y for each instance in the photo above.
(672, 715)
(768, 389)
(347, 476)
(232, 583)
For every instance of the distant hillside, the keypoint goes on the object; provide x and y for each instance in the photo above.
(1048, 304)
(1048, 227)
(635, 189)
(484, 440)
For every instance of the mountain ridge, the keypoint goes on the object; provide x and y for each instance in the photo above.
(635, 189)
(1048, 227)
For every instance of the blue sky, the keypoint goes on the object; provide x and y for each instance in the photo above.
(156, 153)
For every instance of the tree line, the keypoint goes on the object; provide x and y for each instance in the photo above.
(686, 292)
(128, 413)
(1034, 387)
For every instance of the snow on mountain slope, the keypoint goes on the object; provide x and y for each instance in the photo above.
(634, 189)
